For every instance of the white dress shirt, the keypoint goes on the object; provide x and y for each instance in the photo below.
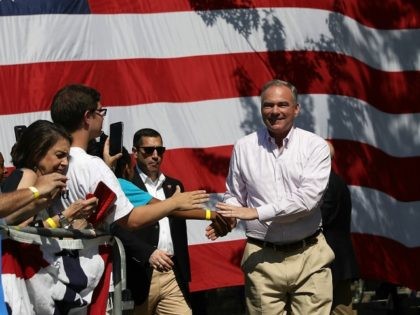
(285, 185)
(156, 190)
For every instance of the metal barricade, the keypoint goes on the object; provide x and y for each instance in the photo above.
(70, 239)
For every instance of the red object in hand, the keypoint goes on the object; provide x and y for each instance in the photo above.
(106, 199)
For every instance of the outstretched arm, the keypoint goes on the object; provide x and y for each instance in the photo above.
(23, 203)
(13, 201)
(221, 226)
(144, 215)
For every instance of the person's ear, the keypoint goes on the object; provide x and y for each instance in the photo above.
(297, 109)
(87, 116)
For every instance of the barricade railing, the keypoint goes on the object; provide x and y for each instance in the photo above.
(55, 241)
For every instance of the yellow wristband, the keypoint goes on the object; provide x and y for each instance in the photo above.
(52, 223)
(35, 191)
(208, 214)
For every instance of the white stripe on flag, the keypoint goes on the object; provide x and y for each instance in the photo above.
(39, 38)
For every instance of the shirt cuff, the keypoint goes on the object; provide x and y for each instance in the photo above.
(266, 212)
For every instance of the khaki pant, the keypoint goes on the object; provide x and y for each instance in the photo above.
(165, 297)
(299, 281)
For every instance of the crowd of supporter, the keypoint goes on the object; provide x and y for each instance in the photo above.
(56, 183)
(65, 178)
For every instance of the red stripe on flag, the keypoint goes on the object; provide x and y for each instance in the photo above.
(101, 292)
(363, 165)
(216, 265)
(204, 168)
(373, 13)
(23, 260)
(382, 259)
(29, 87)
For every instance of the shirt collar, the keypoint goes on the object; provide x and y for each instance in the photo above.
(286, 140)
(146, 179)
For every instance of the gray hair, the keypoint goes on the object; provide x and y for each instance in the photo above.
(278, 82)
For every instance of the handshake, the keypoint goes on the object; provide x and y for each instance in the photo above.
(220, 224)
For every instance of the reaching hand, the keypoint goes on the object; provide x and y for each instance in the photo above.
(177, 190)
(190, 200)
(81, 209)
(221, 225)
(231, 211)
(51, 184)
(160, 260)
(110, 160)
(211, 231)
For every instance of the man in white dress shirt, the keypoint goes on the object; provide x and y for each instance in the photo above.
(79, 110)
(276, 181)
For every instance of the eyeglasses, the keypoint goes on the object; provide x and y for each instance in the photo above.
(101, 111)
(150, 150)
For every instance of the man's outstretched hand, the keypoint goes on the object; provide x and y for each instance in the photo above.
(221, 225)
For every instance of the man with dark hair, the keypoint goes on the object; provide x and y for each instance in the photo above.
(71, 103)
(164, 289)
(79, 110)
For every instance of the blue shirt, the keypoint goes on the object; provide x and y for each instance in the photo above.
(135, 195)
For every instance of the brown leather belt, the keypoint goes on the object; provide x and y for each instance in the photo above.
(308, 241)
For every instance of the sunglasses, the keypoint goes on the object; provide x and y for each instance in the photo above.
(150, 150)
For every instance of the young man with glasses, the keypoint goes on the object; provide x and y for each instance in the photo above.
(161, 244)
(78, 109)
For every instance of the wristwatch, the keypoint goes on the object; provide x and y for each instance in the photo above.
(63, 221)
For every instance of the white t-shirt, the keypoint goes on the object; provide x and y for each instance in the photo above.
(84, 173)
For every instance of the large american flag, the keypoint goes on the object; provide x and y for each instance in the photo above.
(193, 70)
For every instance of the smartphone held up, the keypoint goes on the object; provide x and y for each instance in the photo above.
(18, 131)
(116, 138)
